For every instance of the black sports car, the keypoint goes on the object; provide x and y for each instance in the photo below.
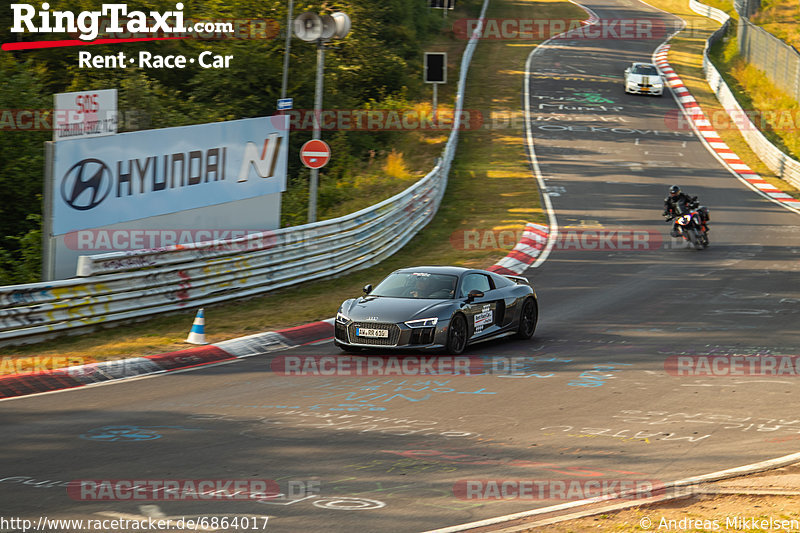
(436, 307)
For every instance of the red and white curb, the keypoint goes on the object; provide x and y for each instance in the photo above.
(16, 385)
(523, 255)
(703, 126)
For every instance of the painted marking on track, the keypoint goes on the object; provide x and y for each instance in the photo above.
(128, 433)
(348, 504)
(664, 153)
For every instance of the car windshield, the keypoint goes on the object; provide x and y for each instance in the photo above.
(422, 285)
(645, 70)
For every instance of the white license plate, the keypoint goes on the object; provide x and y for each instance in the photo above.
(372, 332)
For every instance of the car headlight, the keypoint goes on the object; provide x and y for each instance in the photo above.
(422, 323)
(341, 319)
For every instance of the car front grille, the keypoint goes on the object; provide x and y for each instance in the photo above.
(340, 332)
(422, 335)
(391, 340)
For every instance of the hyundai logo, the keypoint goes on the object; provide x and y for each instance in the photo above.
(86, 184)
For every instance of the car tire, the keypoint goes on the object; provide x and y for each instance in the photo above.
(457, 333)
(528, 317)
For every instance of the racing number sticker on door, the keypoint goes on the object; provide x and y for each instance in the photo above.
(484, 318)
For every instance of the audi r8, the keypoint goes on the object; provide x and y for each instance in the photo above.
(644, 78)
(437, 307)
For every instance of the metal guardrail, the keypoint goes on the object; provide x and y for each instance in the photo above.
(122, 286)
(776, 160)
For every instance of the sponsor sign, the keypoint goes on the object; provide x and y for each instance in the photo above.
(85, 114)
(131, 176)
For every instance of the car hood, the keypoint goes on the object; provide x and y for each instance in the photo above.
(388, 309)
(647, 79)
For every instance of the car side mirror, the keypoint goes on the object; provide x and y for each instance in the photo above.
(627, 71)
(474, 294)
(367, 289)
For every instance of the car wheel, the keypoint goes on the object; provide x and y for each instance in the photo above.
(527, 319)
(457, 335)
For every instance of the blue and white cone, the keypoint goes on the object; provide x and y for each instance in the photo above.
(198, 333)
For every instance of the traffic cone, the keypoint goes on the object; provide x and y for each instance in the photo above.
(198, 333)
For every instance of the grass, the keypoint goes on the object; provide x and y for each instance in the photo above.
(781, 18)
(686, 58)
(779, 112)
(491, 187)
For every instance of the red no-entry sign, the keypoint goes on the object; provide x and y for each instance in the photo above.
(315, 153)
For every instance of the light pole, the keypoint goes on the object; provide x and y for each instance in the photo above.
(314, 178)
(312, 27)
(286, 49)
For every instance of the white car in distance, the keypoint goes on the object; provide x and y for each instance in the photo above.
(644, 78)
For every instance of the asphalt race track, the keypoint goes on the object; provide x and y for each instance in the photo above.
(594, 400)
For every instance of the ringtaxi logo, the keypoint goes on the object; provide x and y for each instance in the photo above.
(87, 23)
(114, 23)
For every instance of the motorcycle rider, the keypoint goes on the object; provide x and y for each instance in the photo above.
(672, 208)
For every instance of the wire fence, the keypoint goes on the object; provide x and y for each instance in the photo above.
(746, 8)
(780, 61)
(783, 165)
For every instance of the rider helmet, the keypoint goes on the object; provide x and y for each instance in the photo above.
(674, 190)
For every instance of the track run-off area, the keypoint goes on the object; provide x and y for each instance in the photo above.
(600, 394)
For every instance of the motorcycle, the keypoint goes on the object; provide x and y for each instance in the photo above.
(691, 223)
